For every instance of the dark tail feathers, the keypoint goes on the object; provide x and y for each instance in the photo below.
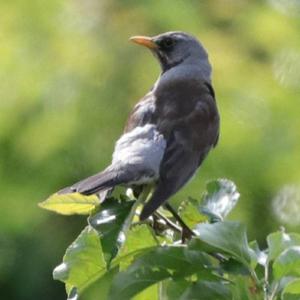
(96, 183)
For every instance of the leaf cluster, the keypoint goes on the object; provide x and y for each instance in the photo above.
(118, 257)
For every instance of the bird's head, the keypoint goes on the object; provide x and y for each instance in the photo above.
(174, 48)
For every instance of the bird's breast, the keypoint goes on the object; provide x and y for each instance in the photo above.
(177, 97)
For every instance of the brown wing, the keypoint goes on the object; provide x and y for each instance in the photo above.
(142, 113)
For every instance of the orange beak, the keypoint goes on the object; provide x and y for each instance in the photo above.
(144, 41)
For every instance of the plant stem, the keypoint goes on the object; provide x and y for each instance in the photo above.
(172, 225)
(268, 295)
(274, 292)
(142, 198)
(266, 285)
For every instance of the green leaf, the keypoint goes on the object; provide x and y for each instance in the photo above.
(149, 293)
(233, 267)
(279, 241)
(83, 262)
(189, 211)
(206, 290)
(103, 283)
(70, 204)
(243, 289)
(282, 283)
(291, 297)
(291, 291)
(287, 263)
(220, 198)
(100, 287)
(110, 223)
(156, 265)
(174, 288)
(229, 237)
(139, 237)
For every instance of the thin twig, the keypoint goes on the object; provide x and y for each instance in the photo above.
(266, 284)
(169, 222)
(274, 292)
(142, 198)
(185, 229)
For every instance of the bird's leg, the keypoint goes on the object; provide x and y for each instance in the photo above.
(187, 233)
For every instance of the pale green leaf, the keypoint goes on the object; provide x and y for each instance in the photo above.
(279, 241)
(152, 293)
(292, 290)
(287, 263)
(189, 211)
(220, 198)
(70, 204)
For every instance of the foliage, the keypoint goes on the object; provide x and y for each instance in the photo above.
(217, 263)
(69, 204)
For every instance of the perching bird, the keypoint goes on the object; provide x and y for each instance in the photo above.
(170, 130)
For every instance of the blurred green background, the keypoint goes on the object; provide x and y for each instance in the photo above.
(68, 79)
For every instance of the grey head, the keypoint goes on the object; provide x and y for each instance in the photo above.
(176, 48)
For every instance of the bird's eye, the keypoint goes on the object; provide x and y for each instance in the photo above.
(167, 43)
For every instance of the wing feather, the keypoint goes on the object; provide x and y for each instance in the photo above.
(189, 141)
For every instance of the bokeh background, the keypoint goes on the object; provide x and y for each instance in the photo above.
(68, 79)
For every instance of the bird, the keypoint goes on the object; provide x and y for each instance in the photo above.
(170, 131)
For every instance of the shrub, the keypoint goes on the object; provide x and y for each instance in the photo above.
(118, 257)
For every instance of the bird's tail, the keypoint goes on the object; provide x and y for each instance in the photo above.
(104, 180)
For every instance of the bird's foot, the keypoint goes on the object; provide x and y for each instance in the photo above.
(186, 232)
